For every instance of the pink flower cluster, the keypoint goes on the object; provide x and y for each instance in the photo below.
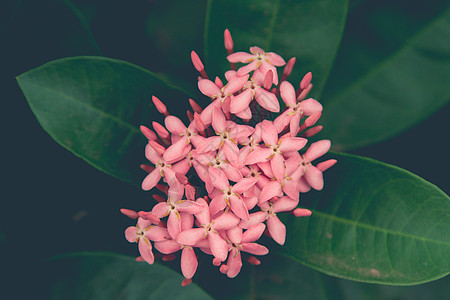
(250, 173)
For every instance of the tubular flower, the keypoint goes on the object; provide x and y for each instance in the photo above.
(249, 171)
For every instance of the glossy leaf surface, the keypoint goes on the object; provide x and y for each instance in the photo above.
(93, 106)
(309, 30)
(373, 222)
(110, 276)
(390, 72)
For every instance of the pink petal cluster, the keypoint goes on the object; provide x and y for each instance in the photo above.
(250, 173)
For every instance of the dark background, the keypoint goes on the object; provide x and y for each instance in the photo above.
(53, 202)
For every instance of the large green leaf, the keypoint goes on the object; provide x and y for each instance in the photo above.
(373, 222)
(110, 276)
(93, 106)
(390, 72)
(310, 30)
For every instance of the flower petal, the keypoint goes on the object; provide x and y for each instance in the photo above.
(218, 120)
(145, 249)
(267, 100)
(278, 166)
(174, 224)
(314, 177)
(157, 234)
(240, 57)
(275, 59)
(241, 102)
(189, 262)
(272, 189)
(310, 107)
(238, 207)
(130, 234)
(167, 246)
(317, 149)
(253, 233)
(151, 180)
(218, 178)
(208, 88)
(258, 155)
(191, 237)
(254, 248)
(174, 125)
(234, 263)
(236, 84)
(290, 144)
(225, 221)
(276, 229)
(219, 247)
(244, 185)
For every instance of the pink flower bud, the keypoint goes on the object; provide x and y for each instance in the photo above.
(198, 65)
(129, 213)
(228, 41)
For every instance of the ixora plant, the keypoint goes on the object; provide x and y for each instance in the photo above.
(244, 173)
(250, 173)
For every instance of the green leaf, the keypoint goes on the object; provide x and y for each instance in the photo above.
(373, 222)
(93, 106)
(389, 72)
(310, 30)
(109, 276)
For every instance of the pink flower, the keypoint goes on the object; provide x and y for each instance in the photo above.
(246, 174)
(231, 196)
(258, 59)
(295, 110)
(182, 136)
(219, 95)
(209, 229)
(162, 168)
(255, 89)
(173, 207)
(312, 175)
(274, 149)
(238, 242)
(228, 134)
(142, 234)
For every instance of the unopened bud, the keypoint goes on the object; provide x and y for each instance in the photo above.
(186, 282)
(223, 269)
(169, 257)
(312, 131)
(306, 81)
(129, 213)
(160, 130)
(301, 212)
(325, 165)
(147, 168)
(150, 135)
(160, 106)
(198, 65)
(253, 261)
(195, 106)
(228, 41)
(158, 198)
(288, 68)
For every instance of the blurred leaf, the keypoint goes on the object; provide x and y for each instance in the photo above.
(310, 30)
(177, 28)
(279, 277)
(373, 222)
(109, 276)
(389, 73)
(352, 290)
(93, 106)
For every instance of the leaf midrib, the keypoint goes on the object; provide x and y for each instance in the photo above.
(85, 104)
(375, 228)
